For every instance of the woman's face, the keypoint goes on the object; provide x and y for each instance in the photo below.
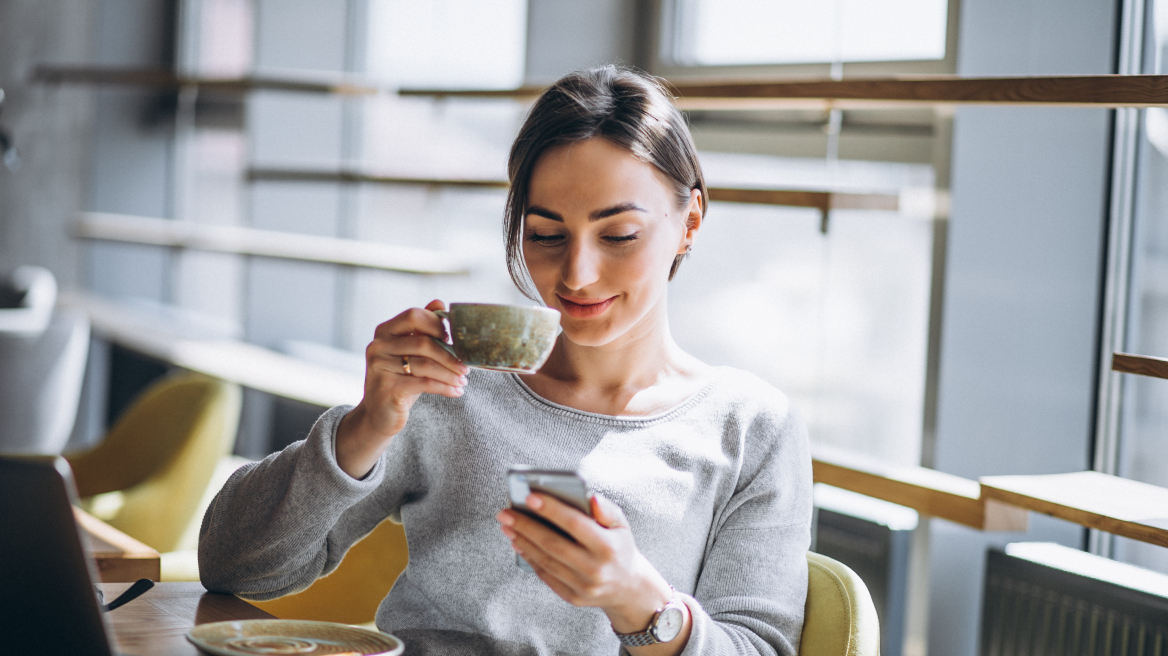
(600, 233)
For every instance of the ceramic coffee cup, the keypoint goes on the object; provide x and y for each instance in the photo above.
(501, 337)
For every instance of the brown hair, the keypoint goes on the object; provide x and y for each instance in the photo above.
(631, 110)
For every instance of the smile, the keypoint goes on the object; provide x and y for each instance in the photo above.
(584, 308)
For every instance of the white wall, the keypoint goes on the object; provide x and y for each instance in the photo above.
(50, 126)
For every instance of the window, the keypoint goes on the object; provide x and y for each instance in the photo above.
(839, 321)
(447, 44)
(328, 313)
(741, 32)
(1141, 440)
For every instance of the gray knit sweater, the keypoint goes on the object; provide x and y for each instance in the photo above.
(717, 492)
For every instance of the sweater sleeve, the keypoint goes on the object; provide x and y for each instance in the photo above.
(280, 523)
(752, 589)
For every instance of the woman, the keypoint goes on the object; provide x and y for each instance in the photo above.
(701, 519)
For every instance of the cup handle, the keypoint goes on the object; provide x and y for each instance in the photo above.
(443, 314)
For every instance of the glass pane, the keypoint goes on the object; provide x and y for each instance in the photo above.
(448, 43)
(838, 321)
(729, 32)
(1144, 419)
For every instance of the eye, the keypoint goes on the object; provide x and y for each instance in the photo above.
(537, 238)
(622, 239)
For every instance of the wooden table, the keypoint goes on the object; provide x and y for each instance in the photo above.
(120, 558)
(927, 491)
(1116, 505)
(1144, 365)
(156, 623)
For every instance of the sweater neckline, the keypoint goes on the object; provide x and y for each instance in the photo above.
(596, 417)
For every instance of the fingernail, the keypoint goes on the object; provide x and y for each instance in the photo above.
(462, 380)
(509, 533)
(505, 519)
(465, 369)
(458, 391)
(534, 502)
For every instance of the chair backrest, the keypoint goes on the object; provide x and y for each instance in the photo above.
(160, 456)
(40, 384)
(839, 619)
(351, 593)
(27, 298)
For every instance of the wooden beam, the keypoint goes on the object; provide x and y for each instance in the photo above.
(1116, 505)
(520, 93)
(238, 362)
(821, 200)
(119, 557)
(265, 243)
(1069, 90)
(1144, 365)
(168, 79)
(927, 491)
(1081, 90)
(302, 175)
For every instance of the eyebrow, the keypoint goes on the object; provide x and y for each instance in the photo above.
(594, 216)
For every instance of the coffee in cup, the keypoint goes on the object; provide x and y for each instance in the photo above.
(512, 338)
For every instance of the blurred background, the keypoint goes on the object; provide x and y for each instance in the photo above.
(960, 326)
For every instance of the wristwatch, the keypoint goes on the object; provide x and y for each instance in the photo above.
(665, 625)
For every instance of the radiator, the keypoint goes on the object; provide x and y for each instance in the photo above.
(1045, 599)
(874, 539)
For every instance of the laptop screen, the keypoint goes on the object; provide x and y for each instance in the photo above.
(47, 599)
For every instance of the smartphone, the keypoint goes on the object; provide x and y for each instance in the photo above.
(563, 484)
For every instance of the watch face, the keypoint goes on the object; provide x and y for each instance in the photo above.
(668, 624)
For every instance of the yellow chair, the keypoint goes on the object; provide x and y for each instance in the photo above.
(839, 619)
(147, 476)
(352, 592)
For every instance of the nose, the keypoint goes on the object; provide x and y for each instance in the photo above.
(581, 265)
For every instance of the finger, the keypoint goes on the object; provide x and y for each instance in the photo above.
(552, 568)
(606, 513)
(413, 320)
(581, 527)
(549, 541)
(420, 367)
(435, 305)
(417, 345)
(390, 381)
(562, 590)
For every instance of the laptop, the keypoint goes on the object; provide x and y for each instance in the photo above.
(48, 602)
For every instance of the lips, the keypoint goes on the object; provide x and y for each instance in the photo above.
(584, 308)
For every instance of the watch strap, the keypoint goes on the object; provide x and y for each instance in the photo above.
(649, 635)
(641, 639)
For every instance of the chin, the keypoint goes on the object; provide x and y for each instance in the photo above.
(597, 334)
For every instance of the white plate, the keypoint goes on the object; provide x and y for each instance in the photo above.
(291, 638)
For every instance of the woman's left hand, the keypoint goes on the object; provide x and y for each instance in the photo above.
(603, 567)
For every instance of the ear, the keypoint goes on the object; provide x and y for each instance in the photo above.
(693, 221)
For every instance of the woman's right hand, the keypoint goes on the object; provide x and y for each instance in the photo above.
(390, 392)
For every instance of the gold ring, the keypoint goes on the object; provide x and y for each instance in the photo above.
(406, 365)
